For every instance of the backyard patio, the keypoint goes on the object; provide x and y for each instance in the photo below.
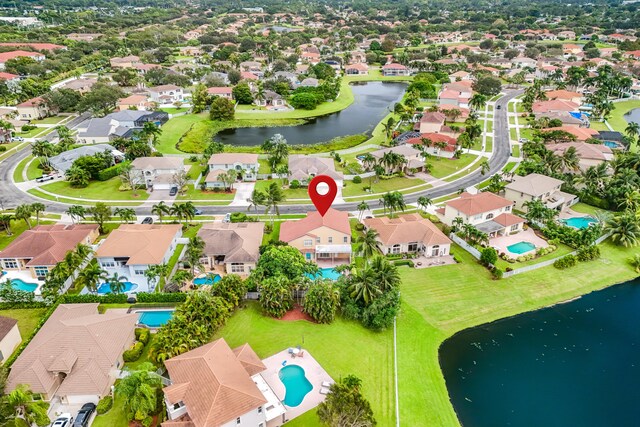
(503, 243)
(312, 371)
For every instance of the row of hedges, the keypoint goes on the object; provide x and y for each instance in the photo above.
(584, 254)
(142, 297)
(402, 262)
(113, 171)
(134, 353)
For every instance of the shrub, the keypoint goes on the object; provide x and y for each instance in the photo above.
(104, 405)
(161, 297)
(380, 313)
(595, 201)
(359, 226)
(241, 217)
(268, 229)
(588, 253)
(402, 262)
(489, 256)
(27, 128)
(357, 179)
(294, 184)
(565, 262)
(193, 159)
(133, 353)
(103, 299)
(142, 335)
(108, 173)
(147, 421)
(3, 148)
(498, 273)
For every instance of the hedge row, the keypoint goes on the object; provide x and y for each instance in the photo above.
(162, 297)
(32, 304)
(108, 173)
(142, 297)
(134, 353)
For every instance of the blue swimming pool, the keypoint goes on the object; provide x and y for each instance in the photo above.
(325, 273)
(24, 286)
(210, 279)
(105, 288)
(295, 383)
(580, 222)
(610, 144)
(521, 247)
(154, 318)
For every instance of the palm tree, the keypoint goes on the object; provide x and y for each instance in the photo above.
(477, 101)
(125, 214)
(570, 160)
(624, 229)
(635, 262)
(388, 127)
(364, 286)
(484, 167)
(387, 276)
(368, 160)
(424, 202)
(258, 198)
(116, 283)
(362, 207)
(76, 212)
(367, 243)
(632, 130)
(37, 209)
(150, 131)
(161, 209)
(24, 212)
(21, 400)
(91, 276)
(5, 222)
(138, 390)
(195, 252)
(274, 197)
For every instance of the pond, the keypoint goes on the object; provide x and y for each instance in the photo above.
(633, 116)
(372, 102)
(574, 364)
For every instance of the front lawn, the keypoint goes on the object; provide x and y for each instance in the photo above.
(173, 130)
(382, 186)
(116, 417)
(289, 193)
(96, 190)
(441, 167)
(197, 194)
(54, 120)
(333, 346)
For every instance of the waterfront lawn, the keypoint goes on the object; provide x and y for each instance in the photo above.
(440, 301)
(96, 190)
(331, 345)
(27, 318)
(382, 186)
(617, 120)
(441, 167)
(173, 130)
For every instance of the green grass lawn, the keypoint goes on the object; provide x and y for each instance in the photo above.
(197, 194)
(526, 133)
(515, 151)
(598, 126)
(17, 227)
(442, 167)
(513, 134)
(490, 126)
(96, 190)
(382, 186)
(27, 318)
(33, 170)
(274, 236)
(489, 145)
(441, 301)
(586, 209)
(116, 417)
(617, 120)
(54, 120)
(290, 193)
(173, 110)
(33, 132)
(173, 130)
(17, 172)
(331, 345)
(508, 166)
(376, 75)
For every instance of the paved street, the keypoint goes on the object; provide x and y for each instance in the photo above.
(11, 196)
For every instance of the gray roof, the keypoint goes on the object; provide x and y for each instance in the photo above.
(64, 160)
(127, 115)
(534, 184)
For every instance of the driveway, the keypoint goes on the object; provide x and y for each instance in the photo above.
(243, 192)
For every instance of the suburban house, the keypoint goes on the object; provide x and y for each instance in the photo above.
(10, 337)
(270, 99)
(81, 86)
(554, 106)
(589, 154)
(359, 68)
(320, 238)
(134, 102)
(564, 95)
(77, 354)
(33, 109)
(233, 246)
(40, 249)
(223, 92)
(253, 67)
(215, 385)
(431, 122)
(130, 249)
(84, 37)
(166, 94)
(456, 94)
(7, 56)
(64, 160)
(581, 133)
(437, 144)
(125, 62)
(304, 168)
(538, 187)
(394, 69)
(486, 211)
(413, 156)
(246, 164)
(123, 124)
(410, 233)
(157, 172)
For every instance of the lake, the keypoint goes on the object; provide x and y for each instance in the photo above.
(633, 116)
(372, 102)
(574, 364)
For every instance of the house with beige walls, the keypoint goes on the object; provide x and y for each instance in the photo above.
(322, 239)
(10, 337)
(535, 186)
(235, 247)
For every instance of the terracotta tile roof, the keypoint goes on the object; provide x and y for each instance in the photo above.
(219, 90)
(302, 167)
(507, 219)
(394, 66)
(249, 359)
(405, 229)
(433, 117)
(212, 176)
(8, 76)
(143, 244)
(581, 134)
(239, 242)
(562, 94)
(534, 184)
(33, 102)
(213, 385)
(78, 341)
(554, 105)
(164, 88)
(6, 56)
(585, 151)
(46, 245)
(158, 163)
(333, 219)
(6, 325)
(474, 204)
(230, 158)
(38, 46)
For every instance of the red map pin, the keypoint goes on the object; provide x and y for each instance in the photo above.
(322, 202)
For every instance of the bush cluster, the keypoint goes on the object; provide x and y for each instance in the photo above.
(357, 179)
(110, 172)
(88, 298)
(566, 262)
(588, 253)
(161, 297)
(104, 405)
(143, 335)
(402, 262)
(134, 353)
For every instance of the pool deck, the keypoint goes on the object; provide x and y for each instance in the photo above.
(501, 243)
(25, 276)
(314, 373)
(569, 213)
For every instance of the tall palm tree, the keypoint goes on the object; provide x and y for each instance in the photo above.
(362, 207)
(274, 197)
(363, 285)
(633, 130)
(76, 212)
(37, 209)
(116, 283)
(424, 202)
(91, 276)
(367, 243)
(477, 101)
(388, 127)
(21, 400)
(126, 214)
(139, 390)
(257, 198)
(387, 276)
(160, 209)
(484, 167)
(624, 229)
(570, 159)
(150, 131)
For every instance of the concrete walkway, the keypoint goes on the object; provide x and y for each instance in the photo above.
(243, 192)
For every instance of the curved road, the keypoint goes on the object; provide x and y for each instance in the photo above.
(11, 196)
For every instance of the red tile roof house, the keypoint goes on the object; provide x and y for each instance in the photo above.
(76, 355)
(6, 56)
(223, 92)
(431, 122)
(410, 233)
(357, 69)
(434, 147)
(325, 240)
(554, 106)
(33, 109)
(394, 69)
(564, 95)
(486, 211)
(40, 249)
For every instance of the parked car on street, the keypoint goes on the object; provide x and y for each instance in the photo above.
(147, 220)
(17, 139)
(84, 415)
(227, 217)
(198, 212)
(173, 191)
